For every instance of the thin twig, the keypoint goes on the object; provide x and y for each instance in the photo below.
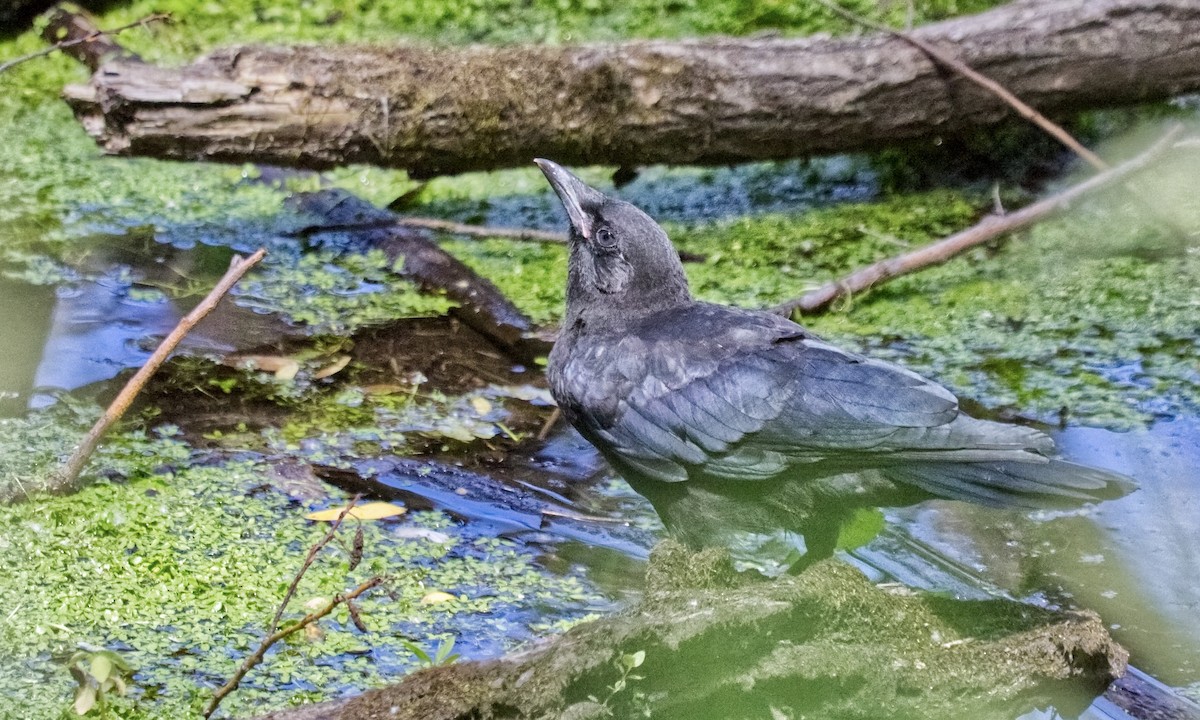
(549, 424)
(308, 561)
(554, 513)
(1022, 108)
(275, 637)
(90, 37)
(456, 228)
(545, 237)
(949, 61)
(67, 478)
(439, 225)
(989, 228)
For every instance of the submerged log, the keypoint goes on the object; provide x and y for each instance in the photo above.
(825, 644)
(438, 110)
(480, 304)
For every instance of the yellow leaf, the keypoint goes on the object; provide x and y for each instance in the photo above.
(284, 368)
(435, 597)
(366, 511)
(481, 405)
(457, 432)
(287, 371)
(332, 368)
(386, 389)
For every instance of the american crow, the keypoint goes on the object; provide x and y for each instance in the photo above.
(730, 420)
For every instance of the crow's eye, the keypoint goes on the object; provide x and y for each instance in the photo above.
(604, 238)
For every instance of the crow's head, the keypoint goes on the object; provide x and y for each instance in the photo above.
(620, 258)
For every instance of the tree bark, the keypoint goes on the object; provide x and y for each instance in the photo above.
(439, 110)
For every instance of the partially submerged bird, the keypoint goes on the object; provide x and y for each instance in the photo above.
(741, 420)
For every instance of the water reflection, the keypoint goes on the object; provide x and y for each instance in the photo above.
(65, 338)
(1134, 560)
(24, 323)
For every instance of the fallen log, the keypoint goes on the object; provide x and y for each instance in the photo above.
(434, 110)
(828, 644)
(363, 226)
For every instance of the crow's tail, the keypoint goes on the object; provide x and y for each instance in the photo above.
(1036, 483)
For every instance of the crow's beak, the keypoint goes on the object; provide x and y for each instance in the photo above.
(574, 194)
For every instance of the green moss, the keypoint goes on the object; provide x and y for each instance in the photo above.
(54, 183)
(200, 26)
(31, 447)
(758, 261)
(1092, 316)
(336, 292)
(179, 573)
(532, 276)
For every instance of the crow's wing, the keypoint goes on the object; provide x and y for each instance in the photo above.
(740, 395)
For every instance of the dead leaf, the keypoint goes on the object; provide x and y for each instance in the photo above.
(355, 617)
(528, 393)
(435, 597)
(332, 368)
(356, 553)
(366, 511)
(85, 699)
(284, 368)
(288, 371)
(481, 405)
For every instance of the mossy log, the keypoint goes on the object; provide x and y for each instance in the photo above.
(825, 644)
(438, 110)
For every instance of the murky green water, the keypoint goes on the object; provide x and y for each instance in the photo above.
(1134, 561)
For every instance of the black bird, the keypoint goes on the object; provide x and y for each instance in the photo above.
(741, 420)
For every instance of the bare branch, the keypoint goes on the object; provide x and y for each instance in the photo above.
(949, 61)
(724, 100)
(275, 637)
(67, 479)
(1022, 108)
(991, 227)
(308, 561)
(93, 36)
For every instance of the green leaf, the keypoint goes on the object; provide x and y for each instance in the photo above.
(101, 668)
(861, 529)
(417, 650)
(443, 651)
(118, 662)
(639, 657)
